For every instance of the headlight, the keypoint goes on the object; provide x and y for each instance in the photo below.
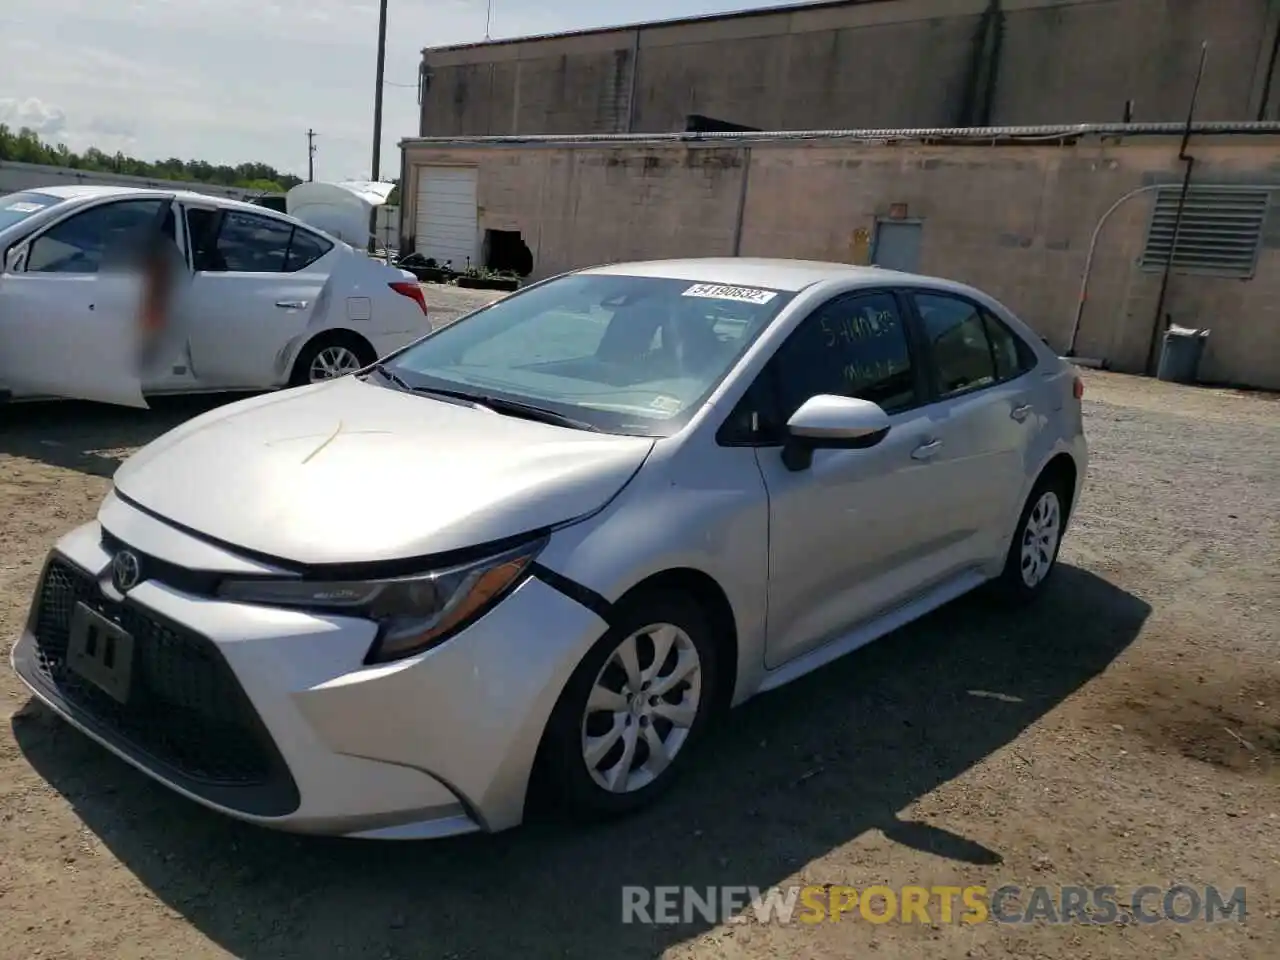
(413, 613)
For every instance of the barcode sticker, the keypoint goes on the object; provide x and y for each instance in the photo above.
(715, 291)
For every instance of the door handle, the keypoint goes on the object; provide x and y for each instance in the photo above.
(291, 304)
(926, 450)
(1021, 413)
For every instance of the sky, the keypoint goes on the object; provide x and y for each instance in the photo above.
(232, 81)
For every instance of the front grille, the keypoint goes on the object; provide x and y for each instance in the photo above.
(185, 709)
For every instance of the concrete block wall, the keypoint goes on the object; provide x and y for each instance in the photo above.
(1013, 220)
(868, 64)
(579, 207)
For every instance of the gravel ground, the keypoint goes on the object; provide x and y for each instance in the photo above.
(447, 303)
(1124, 731)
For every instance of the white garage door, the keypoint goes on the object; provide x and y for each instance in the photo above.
(446, 215)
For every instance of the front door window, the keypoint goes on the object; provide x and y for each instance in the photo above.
(88, 241)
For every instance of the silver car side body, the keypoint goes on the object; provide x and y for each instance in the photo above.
(805, 565)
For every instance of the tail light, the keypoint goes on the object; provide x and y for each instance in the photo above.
(1077, 388)
(407, 288)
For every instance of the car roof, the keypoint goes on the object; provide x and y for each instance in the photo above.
(88, 191)
(776, 274)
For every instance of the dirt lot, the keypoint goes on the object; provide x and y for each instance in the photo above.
(1126, 731)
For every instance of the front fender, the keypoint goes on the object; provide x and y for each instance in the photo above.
(706, 512)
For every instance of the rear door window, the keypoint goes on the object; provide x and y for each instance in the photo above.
(232, 241)
(305, 248)
(1012, 354)
(969, 349)
(960, 352)
(251, 244)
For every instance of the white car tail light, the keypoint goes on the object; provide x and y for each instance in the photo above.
(407, 288)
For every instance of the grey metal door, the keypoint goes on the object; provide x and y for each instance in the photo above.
(897, 246)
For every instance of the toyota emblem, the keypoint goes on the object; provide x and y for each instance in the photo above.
(126, 570)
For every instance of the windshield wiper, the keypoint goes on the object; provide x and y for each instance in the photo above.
(499, 405)
(533, 412)
(385, 371)
(459, 395)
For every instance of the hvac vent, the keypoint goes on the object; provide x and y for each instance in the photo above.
(1220, 232)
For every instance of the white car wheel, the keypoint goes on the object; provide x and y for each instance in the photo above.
(331, 355)
(332, 361)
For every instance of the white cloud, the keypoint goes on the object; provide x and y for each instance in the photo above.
(230, 81)
(48, 121)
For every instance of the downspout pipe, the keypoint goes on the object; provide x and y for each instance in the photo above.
(1264, 102)
(1158, 325)
(742, 201)
(631, 82)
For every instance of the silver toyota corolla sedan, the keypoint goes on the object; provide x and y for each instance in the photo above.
(552, 541)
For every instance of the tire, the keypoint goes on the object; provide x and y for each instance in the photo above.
(565, 772)
(355, 346)
(1033, 553)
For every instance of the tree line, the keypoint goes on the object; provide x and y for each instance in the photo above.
(25, 146)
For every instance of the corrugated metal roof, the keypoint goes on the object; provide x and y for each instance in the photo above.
(974, 135)
(651, 24)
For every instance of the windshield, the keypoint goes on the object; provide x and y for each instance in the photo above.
(622, 354)
(16, 207)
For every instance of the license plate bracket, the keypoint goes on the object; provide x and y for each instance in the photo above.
(101, 652)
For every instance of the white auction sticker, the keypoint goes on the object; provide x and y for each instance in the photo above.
(24, 207)
(715, 291)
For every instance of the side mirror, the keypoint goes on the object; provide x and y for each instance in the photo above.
(15, 259)
(832, 423)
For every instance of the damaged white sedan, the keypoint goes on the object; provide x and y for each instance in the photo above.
(260, 300)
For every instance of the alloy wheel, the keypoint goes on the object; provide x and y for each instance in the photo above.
(1040, 538)
(641, 708)
(333, 361)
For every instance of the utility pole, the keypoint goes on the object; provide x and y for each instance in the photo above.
(311, 155)
(377, 118)
(377, 94)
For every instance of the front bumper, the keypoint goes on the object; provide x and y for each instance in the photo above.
(270, 716)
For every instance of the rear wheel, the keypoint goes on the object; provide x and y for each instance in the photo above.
(327, 357)
(636, 705)
(1033, 554)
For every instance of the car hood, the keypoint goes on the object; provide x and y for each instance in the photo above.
(352, 472)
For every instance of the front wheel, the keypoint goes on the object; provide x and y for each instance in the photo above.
(1033, 554)
(633, 709)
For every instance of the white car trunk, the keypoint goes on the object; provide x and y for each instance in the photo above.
(343, 210)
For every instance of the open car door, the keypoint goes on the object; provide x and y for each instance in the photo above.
(73, 302)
